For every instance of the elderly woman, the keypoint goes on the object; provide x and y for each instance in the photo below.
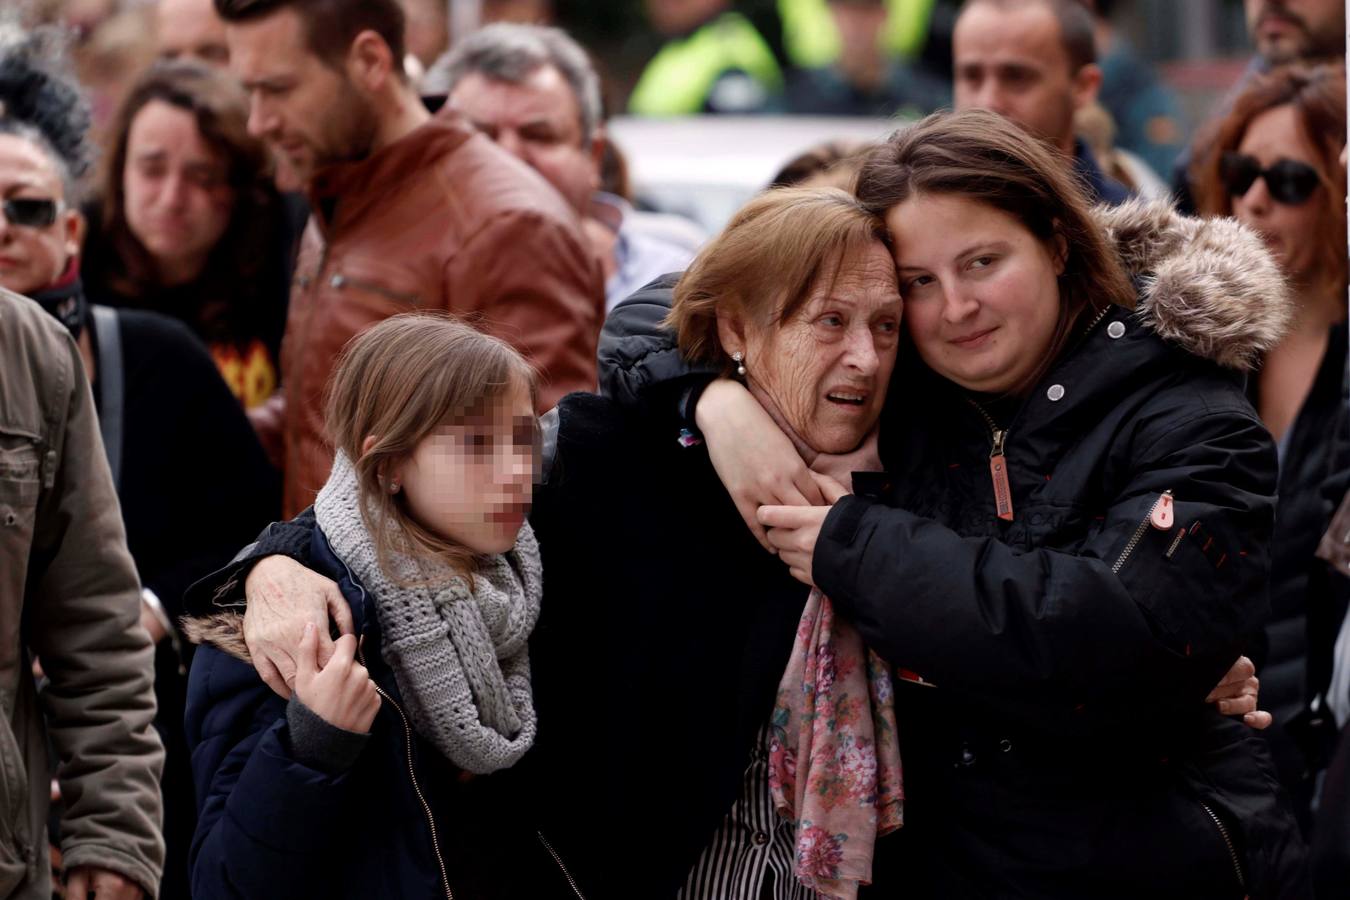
(666, 630)
(1081, 508)
(682, 645)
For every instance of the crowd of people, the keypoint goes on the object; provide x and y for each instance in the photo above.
(969, 518)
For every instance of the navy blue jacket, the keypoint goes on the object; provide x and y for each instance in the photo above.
(271, 826)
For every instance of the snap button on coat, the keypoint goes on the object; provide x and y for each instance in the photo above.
(1115, 330)
(1055, 393)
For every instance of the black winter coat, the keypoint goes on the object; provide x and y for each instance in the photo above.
(400, 823)
(1283, 652)
(1066, 749)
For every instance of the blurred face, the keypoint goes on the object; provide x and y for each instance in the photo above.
(471, 482)
(33, 257)
(1012, 61)
(191, 29)
(859, 24)
(538, 121)
(826, 369)
(1286, 30)
(1289, 229)
(308, 113)
(176, 190)
(671, 17)
(981, 296)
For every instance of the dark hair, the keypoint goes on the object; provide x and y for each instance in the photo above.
(232, 290)
(331, 25)
(766, 261)
(1077, 31)
(1317, 95)
(829, 164)
(41, 101)
(989, 159)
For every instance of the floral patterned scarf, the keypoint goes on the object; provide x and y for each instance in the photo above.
(834, 759)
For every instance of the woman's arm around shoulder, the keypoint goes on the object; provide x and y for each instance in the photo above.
(1154, 601)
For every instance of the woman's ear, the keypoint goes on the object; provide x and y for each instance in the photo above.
(730, 331)
(368, 443)
(1059, 252)
(74, 226)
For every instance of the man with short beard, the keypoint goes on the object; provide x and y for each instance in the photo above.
(409, 211)
(1284, 31)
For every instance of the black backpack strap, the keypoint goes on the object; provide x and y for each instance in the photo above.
(111, 390)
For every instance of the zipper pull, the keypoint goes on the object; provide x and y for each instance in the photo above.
(998, 470)
(1163, 515)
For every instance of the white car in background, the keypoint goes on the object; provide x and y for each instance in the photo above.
(706, 167)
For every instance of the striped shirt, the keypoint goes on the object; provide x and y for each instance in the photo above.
(750, 856)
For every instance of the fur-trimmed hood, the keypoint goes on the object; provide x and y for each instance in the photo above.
(224, 631)
(1209, 286)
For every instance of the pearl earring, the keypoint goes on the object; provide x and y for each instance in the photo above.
(394, 487)
(739, 359)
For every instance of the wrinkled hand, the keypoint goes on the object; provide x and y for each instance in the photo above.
(341, 692)
(1236, 695)
(754, 459)
(793, 531)
(282, 597)
(88, 883)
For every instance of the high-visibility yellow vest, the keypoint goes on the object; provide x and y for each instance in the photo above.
(680, 77)
(812, 40)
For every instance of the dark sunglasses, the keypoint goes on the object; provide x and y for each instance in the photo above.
(1288, 181)
(32, 212)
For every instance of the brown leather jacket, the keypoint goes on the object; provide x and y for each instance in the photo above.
(441, 219)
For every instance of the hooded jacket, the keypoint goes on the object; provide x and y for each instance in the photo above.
(400, 821)
(69, 595)
(1066, 749)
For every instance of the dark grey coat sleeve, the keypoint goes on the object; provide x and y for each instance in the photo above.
(637, 353)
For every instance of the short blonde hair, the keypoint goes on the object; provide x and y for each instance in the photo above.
(765, 263)
(400, 380)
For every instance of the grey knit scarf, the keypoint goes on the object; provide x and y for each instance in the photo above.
(460, 657)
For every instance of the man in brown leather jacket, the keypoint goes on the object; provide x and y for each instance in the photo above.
(408, 211)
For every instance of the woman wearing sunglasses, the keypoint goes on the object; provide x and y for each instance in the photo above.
(176, 439)
(1275, 168)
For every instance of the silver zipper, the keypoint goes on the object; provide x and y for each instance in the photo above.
(1138, 534)
(412, 774)
(558, 859)
(407, 747)
(1228, 842)
(998, 435)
